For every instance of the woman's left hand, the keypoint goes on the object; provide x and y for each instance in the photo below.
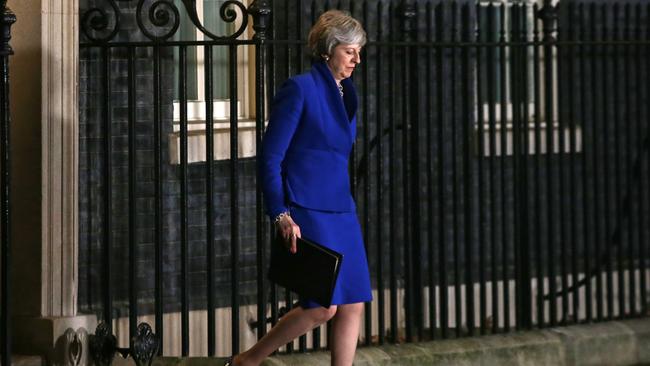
(289, 231)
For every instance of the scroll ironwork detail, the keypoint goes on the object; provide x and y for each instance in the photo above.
(96, 20)
(158, 20)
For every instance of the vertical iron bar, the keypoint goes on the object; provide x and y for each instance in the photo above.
(587, 204)
(316, 331)
(261, 12)
(408, 122)
(537, 174)
(302, 340)
(598, 213)
(108, 161)
(288, 297)
(454, 173)
(299, 53)
(158, 158)
(274, 297)
(606, 168)
(643, 95)
(442, 237)
(430, 173)
(8, 18)
(468, 178)
(480, 156)
(416, 287)
(561, 167)
(366, 182)
(514, 103)
(491, 87)
(302, 343)
(618, 212)
(185, 310)
(503, 165)
(549, 16)
(630, 202)
(391, 185)
(573, 178)
(133, 300)
(525, 189)
(209, 205)
(520, 154)
(234, 197)
(380, 180)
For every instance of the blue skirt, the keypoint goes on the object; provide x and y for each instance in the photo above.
(341, 232)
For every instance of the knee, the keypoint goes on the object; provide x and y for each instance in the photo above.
(322, 315)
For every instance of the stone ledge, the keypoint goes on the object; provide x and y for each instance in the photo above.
(608, 344)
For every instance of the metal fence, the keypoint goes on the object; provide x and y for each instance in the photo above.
(501, 168)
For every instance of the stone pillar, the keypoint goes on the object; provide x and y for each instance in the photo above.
(45, 114)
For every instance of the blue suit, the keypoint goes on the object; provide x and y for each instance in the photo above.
(307, 144)
(304, 170)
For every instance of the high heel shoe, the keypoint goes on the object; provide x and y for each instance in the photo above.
(229, 361)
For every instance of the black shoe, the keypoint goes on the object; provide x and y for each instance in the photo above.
(229, 361)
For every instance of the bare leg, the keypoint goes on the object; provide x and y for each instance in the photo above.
(345, 333)
(296, 322)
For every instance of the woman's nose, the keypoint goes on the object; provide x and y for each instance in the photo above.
(357, 58)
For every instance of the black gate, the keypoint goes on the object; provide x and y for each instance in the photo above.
(501, 169)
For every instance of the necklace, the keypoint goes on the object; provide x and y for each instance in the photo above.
(340, 89)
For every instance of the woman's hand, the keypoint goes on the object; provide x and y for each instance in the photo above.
(289, 232)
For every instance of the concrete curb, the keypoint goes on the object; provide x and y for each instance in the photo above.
(608, 344)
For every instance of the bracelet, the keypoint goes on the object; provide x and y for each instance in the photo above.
(280, 216)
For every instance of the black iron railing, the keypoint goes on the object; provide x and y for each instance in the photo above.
(8, 18)
(500, 172)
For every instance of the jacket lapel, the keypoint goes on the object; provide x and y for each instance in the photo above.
(327, 85)
(343, 109)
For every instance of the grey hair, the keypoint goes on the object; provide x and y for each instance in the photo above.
(334, 27)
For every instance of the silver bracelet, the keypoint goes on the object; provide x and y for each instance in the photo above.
(280, 216)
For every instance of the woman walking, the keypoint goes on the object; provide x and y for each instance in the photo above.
(305, 181)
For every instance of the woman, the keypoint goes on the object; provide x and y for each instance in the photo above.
(304, 176)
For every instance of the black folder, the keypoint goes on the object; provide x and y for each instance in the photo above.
(311, 272)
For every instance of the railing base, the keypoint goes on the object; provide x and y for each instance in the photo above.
(52, 337)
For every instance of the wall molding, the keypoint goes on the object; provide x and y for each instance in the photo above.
(60, 124)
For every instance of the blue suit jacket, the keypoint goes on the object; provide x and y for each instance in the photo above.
(307, 144)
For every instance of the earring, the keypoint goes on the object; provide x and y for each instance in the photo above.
(327, 58)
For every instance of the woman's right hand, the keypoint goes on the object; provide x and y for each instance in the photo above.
(289, 231)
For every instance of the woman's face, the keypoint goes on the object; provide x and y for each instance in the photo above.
(343, 60)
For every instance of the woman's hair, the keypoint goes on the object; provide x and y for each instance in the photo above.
(334, 27)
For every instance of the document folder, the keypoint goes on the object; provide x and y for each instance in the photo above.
(311, 272)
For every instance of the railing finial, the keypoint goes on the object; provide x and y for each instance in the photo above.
(408, 14)
(548, 15)
(261, 12)
(8, 19)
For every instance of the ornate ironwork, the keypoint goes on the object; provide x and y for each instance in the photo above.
(97, 20)
(226, 13)
(103, 345)
(75, 349)
(548, 15)
(157, 20)
(159, 16)
(261, 12)
(8, 19)
(408, 13)
(144, 345)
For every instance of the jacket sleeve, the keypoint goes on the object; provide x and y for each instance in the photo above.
(286, 110)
